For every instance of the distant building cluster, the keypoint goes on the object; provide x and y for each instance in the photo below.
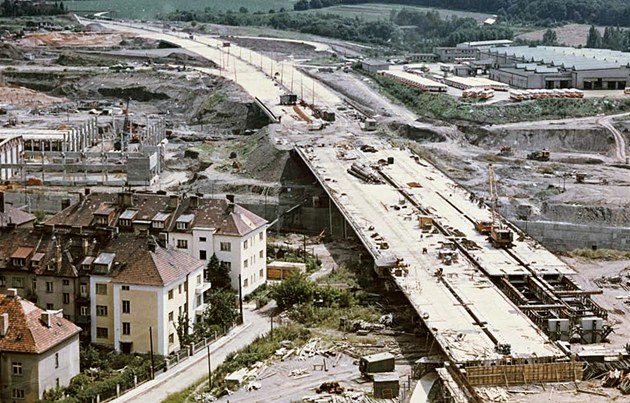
(525, 67)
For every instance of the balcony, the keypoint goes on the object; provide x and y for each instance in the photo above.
(203, 287)
(83, 320)
(200, 309)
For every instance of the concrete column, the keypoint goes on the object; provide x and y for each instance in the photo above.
(3, 160)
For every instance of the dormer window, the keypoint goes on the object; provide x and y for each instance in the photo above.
(21, 254)
(103, 215)
(184, 221)
(36, 260)
(126, 218)
(100, 219)
(159, 220)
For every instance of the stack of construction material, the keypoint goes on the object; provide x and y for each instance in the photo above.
(364, 172)
(617, 379)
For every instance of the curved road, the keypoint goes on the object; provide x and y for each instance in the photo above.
(620, 139)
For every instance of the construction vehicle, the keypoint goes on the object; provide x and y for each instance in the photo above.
(500, 235)
(539, 155)
(483, 227)
(505, 151)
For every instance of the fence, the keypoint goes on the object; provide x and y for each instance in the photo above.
(523, 374)
(169, 362)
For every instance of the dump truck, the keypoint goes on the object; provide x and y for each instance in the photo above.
(539, 155)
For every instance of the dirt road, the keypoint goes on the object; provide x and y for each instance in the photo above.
(620, 140)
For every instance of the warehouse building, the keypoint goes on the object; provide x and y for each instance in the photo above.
(467, 51)
(559, 67)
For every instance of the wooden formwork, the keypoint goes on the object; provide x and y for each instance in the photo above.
(506, 375)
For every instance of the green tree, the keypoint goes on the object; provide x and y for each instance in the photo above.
(183, 330)
(594, 38)
(550, 38)
(221, 309)
(295, 289)
(218, 273)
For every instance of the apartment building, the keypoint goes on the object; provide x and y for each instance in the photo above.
(193, 224)
(141, 290)
(40, 349)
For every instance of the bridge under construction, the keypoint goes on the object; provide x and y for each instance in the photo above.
(500, 315)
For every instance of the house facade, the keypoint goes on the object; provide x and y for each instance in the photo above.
(142, 292)
(40, 349)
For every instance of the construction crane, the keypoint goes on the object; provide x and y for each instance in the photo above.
(500, 236)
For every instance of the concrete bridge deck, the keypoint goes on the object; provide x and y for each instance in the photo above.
(466, 313)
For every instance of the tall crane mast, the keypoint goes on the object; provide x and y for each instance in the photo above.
(499, 235)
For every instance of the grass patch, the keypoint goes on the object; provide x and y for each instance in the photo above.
(182, 396)
(600, 254)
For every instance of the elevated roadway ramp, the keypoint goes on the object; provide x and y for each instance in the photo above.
(253, 71)
(468, 316)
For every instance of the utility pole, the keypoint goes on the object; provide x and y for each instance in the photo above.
(240, 298)
(271, 333)
(209, 369)
(151, 343)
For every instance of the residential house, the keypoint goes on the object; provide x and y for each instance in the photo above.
(39, 349)
(140, 289)
(193, 224)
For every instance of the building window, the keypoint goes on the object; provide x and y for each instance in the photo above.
(171, 338)
(261, 254)
(170, 294)
(66, 282)
(66, 297)
(261, 274)
(49, 286)
(170, 316)
(18, 282)
(126, 307)
(17, 394)
(101, 332)
(226, 246)
(203, 255)
(245, 263)
(245, 283)
(101, 289)
(85, 311)
(56, 360)
(199, 300)
(198, 279)
(245, 244)
(126, 328)
(124, 222)
(179, 288)
(186, 287)
(261, 236)
(182, 225)
(83, 289)
(202, 239)
(182, 244)
(125, 288)
(158, 224)
(3, 281)
(50, 307)
(17, 368)
(101, 310)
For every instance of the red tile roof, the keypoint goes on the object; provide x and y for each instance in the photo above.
(27, 333)
(139, 265)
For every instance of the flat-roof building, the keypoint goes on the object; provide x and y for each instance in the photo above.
(559, 67)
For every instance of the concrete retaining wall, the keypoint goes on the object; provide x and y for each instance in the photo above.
(565, 236)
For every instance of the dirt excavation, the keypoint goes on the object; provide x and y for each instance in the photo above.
(220, 142)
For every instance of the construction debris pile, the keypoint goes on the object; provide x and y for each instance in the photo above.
(614, 374)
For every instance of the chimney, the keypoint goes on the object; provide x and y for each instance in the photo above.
(230, 198)
(12, 292)
(125, 199)
(173, 202)
(194, 202)
(57, 253)
(4, 324)
(1, 201)
(65, 203)
(85, 246)
(86, 191)
(46, 318)
(230, 203)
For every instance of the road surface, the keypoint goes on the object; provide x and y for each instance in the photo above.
(196, 367)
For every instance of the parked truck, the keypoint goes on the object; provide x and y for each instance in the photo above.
(539, 155)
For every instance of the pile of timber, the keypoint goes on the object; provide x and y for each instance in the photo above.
(364, 173)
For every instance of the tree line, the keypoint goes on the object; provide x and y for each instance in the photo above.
(411, 30)
(540, 12)
(613, 38)
(16, 8)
